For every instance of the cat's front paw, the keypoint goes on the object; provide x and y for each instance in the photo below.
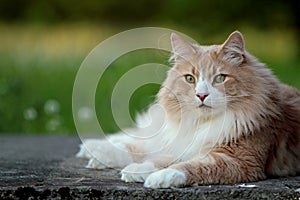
(137, 172)
(166, 178)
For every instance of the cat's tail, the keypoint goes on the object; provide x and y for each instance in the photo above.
(152, 121)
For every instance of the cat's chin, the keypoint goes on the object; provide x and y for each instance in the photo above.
(205, 110)
(208, 112)
(204, 107)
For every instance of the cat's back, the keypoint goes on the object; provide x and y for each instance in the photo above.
(284, 158)
(290, 94)
(290, 105)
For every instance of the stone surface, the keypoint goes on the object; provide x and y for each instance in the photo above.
(44, 167)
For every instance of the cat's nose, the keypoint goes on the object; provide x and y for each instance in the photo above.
(202, 96)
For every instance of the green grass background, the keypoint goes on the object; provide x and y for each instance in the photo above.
(38, 66)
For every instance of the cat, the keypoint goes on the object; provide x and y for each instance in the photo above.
(221, 117)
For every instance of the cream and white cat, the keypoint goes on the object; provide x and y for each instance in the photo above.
(221, 117)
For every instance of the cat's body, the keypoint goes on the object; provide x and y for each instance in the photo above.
(221, 118)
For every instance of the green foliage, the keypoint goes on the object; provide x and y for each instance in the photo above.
(141, 97)
(209, 15)
(35, 100)
(39, 65)
(43, 45)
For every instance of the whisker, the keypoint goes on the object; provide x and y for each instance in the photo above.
(181, 103)
(245, 95)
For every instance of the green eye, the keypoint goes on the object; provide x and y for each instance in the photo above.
(220, 78)
(189, 78)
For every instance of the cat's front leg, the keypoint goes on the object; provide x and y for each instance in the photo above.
(217, 168)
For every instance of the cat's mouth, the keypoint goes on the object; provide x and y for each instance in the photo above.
(204, 106)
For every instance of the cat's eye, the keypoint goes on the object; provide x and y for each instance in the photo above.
(220, 78)
(189, 78)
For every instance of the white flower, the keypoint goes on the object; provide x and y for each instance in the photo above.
(85, 113)
(51, 106)
(30, 114)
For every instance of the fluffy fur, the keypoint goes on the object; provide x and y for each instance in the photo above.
(221, 117)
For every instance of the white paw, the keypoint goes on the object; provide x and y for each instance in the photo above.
(166, 178)
(137, 172)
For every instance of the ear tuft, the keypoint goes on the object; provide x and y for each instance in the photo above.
(233, 49)
(235, 41)
(181, 49)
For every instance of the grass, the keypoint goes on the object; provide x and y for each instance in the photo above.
(39, 65)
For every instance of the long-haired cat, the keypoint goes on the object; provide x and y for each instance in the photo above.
(221, 117)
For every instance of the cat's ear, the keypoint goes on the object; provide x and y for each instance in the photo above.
(233, 49)
(181, 49)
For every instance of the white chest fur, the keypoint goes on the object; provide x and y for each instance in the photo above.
(185, 141)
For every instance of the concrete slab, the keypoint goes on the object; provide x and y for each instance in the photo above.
(44, 167)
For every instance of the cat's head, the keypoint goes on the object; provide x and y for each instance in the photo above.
(206, 81)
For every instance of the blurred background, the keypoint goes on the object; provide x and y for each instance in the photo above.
(43, 43)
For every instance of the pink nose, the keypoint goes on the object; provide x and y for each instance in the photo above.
(202, 96)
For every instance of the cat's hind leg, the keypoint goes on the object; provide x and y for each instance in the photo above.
(87, 147)
(104, 154)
